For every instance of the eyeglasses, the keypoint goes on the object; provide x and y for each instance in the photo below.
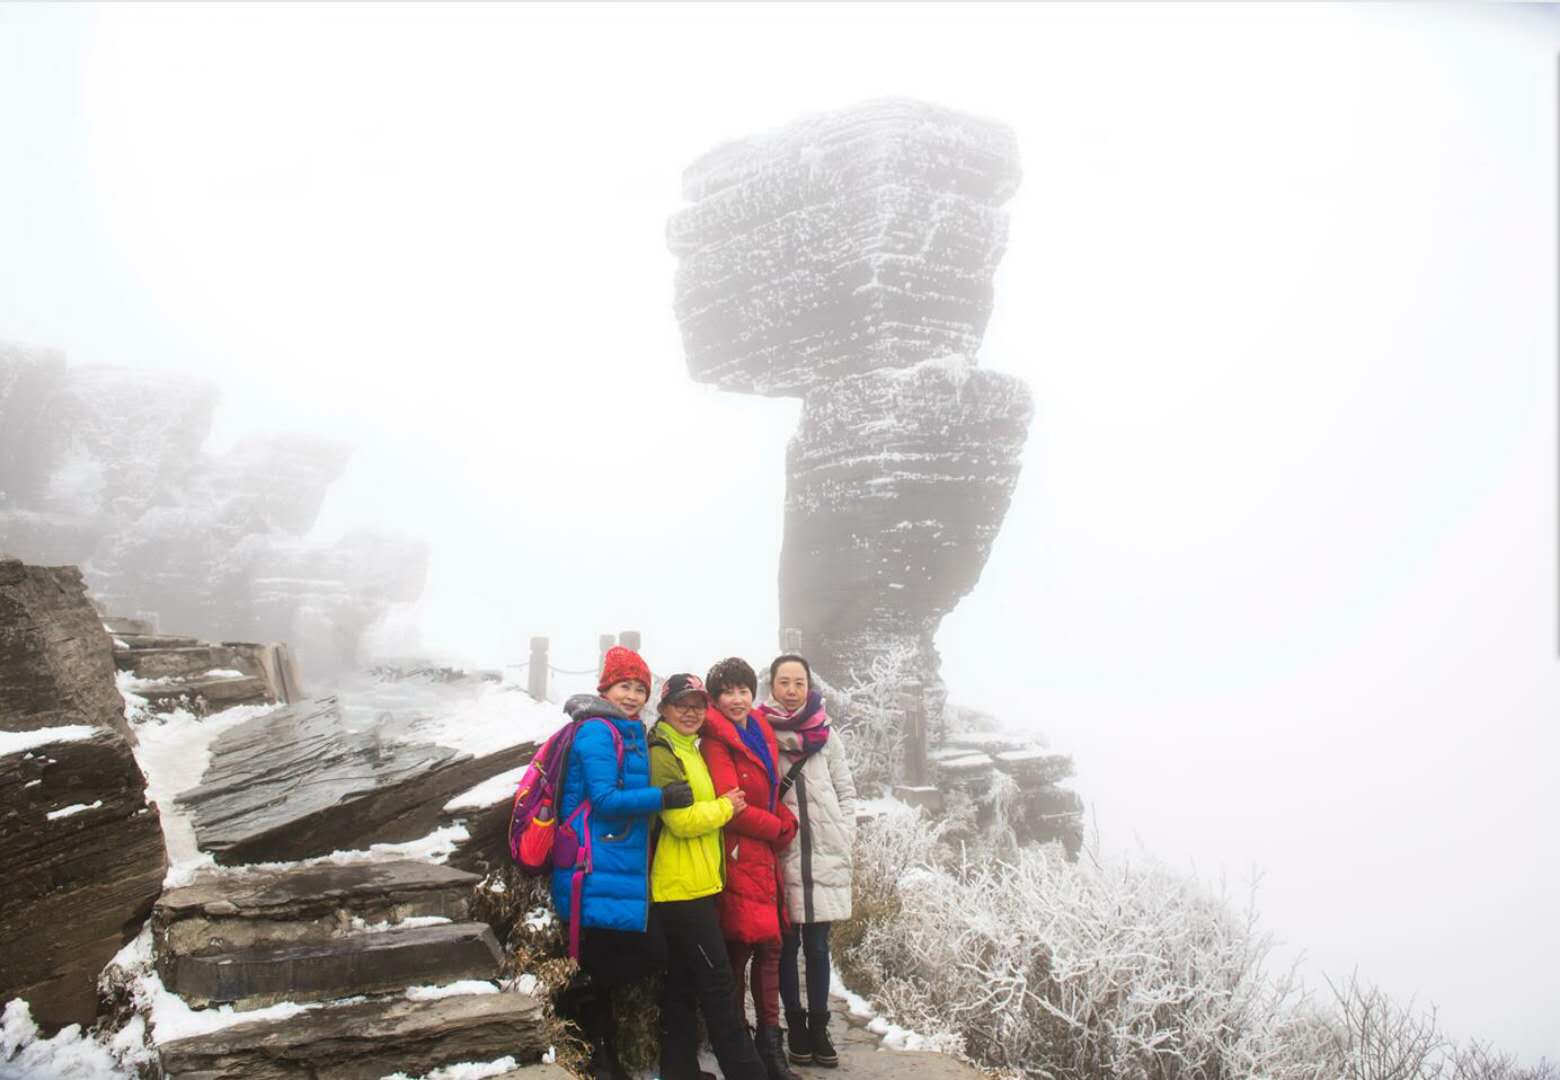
(687, 706)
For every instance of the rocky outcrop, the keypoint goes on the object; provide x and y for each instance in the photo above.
(848, 260)
(898, 482)
(82, 849)
(103, 467)
(56, 660)
(300, 782)
(847, 242)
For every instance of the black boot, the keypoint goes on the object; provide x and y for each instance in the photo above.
(769, 1052)
(601, 1029)
(798, 1043)
(818, 1034)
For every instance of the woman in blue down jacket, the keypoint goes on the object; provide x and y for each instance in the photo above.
(611, 915)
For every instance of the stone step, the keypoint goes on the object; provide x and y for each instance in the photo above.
(121, 626)
(365, 1041)
(365, 963)
(232, 912)
(154, 641)
(180, 662)
(205, 696)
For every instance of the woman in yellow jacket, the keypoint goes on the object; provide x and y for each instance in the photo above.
(686, 873)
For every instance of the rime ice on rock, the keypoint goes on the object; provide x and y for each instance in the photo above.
(848, 260)
(103, 467)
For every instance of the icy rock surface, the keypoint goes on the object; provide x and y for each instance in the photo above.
(336, 774)
(82, 849)
(103, 467)
(848, 260)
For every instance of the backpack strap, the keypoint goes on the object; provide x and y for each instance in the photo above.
(792, 773)
(617, 745)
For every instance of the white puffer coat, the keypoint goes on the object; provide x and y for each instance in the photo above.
(817, 865)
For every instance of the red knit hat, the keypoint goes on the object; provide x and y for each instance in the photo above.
(621, 664)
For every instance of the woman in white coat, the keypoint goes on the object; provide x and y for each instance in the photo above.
(817, 866)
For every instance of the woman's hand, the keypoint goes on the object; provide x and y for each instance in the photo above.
(737, 799)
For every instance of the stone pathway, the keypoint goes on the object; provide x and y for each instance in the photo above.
(862, 1056)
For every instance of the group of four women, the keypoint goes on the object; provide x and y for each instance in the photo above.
(720, 845)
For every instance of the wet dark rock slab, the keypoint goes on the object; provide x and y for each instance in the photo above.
(231, 912)
(366, 1041)
(486, 847)
(56, 660)
(84, 861)
(298, 783)
(367, 963)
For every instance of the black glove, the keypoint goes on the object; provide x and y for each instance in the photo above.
(677, 795)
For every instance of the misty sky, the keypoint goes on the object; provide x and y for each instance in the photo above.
(1281, 566)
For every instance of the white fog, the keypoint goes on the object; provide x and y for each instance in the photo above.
(1280, 569)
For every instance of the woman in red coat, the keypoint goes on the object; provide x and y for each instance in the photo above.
(739, 747)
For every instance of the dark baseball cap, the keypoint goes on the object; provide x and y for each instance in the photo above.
(681, 685)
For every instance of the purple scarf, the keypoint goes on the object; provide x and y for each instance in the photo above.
(809, 722)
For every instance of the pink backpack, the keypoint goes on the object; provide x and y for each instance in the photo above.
(534, 840)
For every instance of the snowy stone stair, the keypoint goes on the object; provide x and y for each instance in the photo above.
(180, 661)
(366, 963)
(155, 641)
(366, 1041)
(231, 912)
(203, 696)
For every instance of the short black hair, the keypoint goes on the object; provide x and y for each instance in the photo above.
(790, 658)
(732, 671)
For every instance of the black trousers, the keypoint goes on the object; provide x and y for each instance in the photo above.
(698, 972)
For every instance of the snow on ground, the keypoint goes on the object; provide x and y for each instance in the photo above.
(15, 742)
(174, 750)
(883, 804)
(481, 719)
(171, 1018)
(454, 989)
(500, 788)
(69, 1055)
(411, 922)
(465, 1070)
(892, 1036)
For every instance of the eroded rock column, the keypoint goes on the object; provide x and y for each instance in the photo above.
(848, 260)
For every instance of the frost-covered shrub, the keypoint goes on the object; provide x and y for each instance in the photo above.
(873, 711)
(1041, 967)
(1055, 969)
